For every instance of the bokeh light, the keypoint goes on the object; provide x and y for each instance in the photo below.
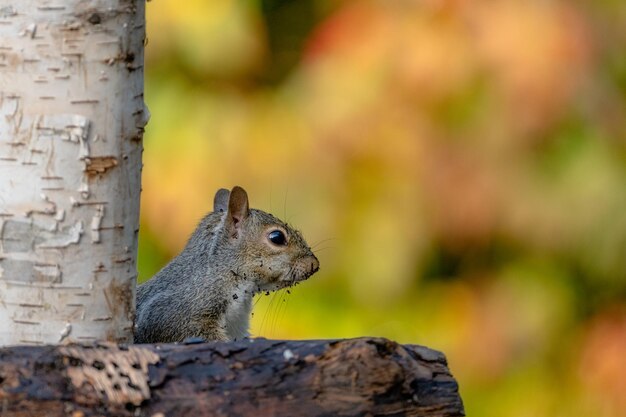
(459, 167)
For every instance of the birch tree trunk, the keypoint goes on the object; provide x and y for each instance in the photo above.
(71, 123)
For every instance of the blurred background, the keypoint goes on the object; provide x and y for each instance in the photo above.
(458, 166)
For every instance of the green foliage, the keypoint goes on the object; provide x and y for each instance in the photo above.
(459, 168)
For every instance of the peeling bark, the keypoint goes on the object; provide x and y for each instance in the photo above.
(71, 121)
(358, 377)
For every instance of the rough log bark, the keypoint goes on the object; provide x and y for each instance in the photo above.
(257, 377)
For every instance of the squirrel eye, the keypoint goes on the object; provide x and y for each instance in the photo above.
(277, 237)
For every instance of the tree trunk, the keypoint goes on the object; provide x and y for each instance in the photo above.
(71, 124)
(358, 377)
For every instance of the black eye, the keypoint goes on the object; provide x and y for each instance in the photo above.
(277, 237)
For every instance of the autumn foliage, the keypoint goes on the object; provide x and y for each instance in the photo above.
(460, 166)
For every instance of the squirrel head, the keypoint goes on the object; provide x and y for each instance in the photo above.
(262, 248)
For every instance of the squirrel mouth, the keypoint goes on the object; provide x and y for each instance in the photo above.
(291, 278)
(301, 271)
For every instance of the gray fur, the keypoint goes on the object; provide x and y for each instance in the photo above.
(207, 290)
(220, 202)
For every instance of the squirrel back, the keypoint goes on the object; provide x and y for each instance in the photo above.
(207, 290)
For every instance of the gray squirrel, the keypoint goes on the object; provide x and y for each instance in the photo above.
(207, 290)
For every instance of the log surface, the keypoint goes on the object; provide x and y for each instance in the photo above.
(257, 377)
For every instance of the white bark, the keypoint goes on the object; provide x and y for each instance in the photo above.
(71, 124)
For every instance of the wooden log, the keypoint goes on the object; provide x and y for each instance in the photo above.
(256, 377)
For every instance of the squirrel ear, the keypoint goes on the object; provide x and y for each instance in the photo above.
(220, 202)
(237, 205)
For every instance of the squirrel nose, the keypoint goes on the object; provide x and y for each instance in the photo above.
(315, 263)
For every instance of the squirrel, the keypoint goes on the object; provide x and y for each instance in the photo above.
(207, 290)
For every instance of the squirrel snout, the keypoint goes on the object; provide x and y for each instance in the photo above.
(314, 263)
(303, 268)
